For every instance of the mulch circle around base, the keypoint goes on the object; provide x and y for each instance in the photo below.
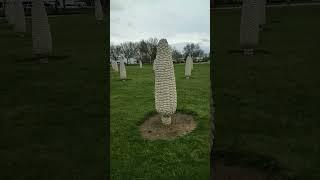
(153, 129)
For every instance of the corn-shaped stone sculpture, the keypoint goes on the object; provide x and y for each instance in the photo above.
(187, 68)
(123, 73)
(140, 62)
(41, 34)
(249, 27)
(261, 4)
(98, 10)
(20, 23)
(165, 83)
(153, 65)
(115, 66)
(112, 64)
(191, 63)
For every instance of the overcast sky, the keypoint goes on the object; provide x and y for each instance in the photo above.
(179, 21)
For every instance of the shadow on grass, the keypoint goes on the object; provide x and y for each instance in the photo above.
(124, 80)
(190, 77)
(260, 162)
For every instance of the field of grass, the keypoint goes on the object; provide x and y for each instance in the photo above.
(268, 104)
(53, 116)
(132, 157)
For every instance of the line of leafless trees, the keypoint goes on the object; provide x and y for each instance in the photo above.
(146, 50)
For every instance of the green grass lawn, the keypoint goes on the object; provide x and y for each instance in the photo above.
(132, 157)
(53, 116)
(268, 104)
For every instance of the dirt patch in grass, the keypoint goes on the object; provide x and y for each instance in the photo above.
(153, 129)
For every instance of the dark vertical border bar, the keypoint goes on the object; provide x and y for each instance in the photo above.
(212, 104)
(107, 13)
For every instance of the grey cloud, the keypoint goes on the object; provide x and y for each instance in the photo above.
(205, 40)
(142, 19)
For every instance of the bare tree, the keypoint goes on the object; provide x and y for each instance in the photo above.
(128, 50)
(143, 51)
(193, 50)
(137, 54)
(115, 51)
(152, 48)
(147, 50)
(176, 54)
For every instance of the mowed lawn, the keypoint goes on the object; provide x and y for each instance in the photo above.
(53, 116)
(268, 105)
(132, 157)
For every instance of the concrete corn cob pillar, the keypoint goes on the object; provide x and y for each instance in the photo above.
(191, 63)
(41, 34)
(20, 23)
(262, 12)
(98, 10)
(112, 64)
(187, 68)
(153, 65)
(249, 27)
(165, 83)
(123, 73)
(140, 62)
(116, 68)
